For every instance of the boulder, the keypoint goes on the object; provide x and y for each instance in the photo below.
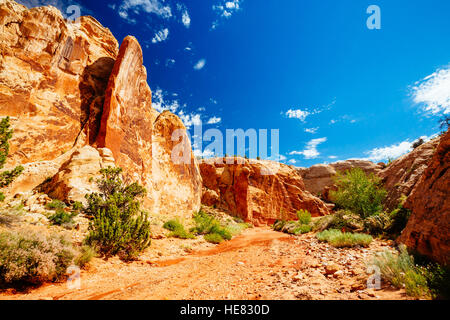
(257, 191)
(401, 176)
(428, 228)
(318, 179)
(77, 177)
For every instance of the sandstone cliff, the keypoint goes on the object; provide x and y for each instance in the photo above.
(428, 229)
(67, 85)
(245, 191)
(320, 177)
(402, 175)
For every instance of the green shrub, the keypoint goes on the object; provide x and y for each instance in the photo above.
(358, 192)
(302, 229)
(173, 225)
(178, 230)
(77, 206)
(33, 257)
(401, 271)
(87, 253)
(304, 217)
(55, 204)
(119, 226)
(6, 177)
(340, 239)
(213, 238)
(206, 224)
(63, 218)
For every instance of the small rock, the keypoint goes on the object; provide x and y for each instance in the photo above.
(331, 268)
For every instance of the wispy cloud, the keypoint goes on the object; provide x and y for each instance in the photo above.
(297, 114)
(214, 120)
(310, 151)
(145, 6)
(200, 64)
(312, 130)
(161, 35)
(433, 92)
(225, 9)
(185, 18)
(393, 151)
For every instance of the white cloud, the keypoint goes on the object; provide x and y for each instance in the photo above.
(160, 104)
(170, 62)
(161, 35)
(225, 9)
(332, 157)
(205, 154)
(214, 120)
(200, 64)
(146, 6)
(310, 151)
(433, 92)
(292, 161)
(312, 130)
(190, 119)
(61, 5)
(298, 114)
(186, 19)
(394, 151)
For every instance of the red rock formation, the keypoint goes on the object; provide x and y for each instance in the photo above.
(401, 176)
(318, 179)
(53, 75)
(244, 190)
(66, 85)
(428, 228)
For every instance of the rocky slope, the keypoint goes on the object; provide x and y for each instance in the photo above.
(428, 229)
(402, 175)
(66, 86)
(257, 191)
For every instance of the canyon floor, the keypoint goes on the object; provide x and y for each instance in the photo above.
(260, 264)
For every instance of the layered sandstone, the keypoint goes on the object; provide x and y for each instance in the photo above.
(257, 191)
(401, 176)
(428, 228)
(53, 75)
(319, 178)
(67, 86)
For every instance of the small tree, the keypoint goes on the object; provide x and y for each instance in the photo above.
(444, 123)
(6, 177)
(119, 226)
(358, 192)
(418, 143)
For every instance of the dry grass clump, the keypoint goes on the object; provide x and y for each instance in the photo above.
(341, 239)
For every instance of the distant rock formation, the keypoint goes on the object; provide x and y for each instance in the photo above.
(319, 178)
(428, 228)
(243, 189)
(401, 176)
(67, 86)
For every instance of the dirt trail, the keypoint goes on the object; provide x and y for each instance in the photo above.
(259, 264)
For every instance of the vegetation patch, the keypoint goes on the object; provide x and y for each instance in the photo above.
(31, 257)
(303, 225)
(340, 239)
(207, 225)
(178, 230)
(118, 226)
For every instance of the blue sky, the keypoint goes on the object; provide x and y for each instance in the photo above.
(312, 69)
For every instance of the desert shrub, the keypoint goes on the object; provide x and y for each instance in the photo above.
(32, 257)
(55, 204)
(237, 228)
(278, 225)
(302, 229)
(178, 230)
(206, 224)
(87, 253)
(377, 224)
(399, 217)
(304, 217)
(358, 192)
(77, 206)
(418, 143)
(119, 226)
(6, 177)
(173, 225)
(213, 238)
(401, 271)
(340, 239)
(63, 218)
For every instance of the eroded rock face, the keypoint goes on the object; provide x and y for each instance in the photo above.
(428, 228)
(176, 185)
(402, 175)
(77, 177)
(319, 178)
(244, 190)
(53, 75)
(68, 90)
